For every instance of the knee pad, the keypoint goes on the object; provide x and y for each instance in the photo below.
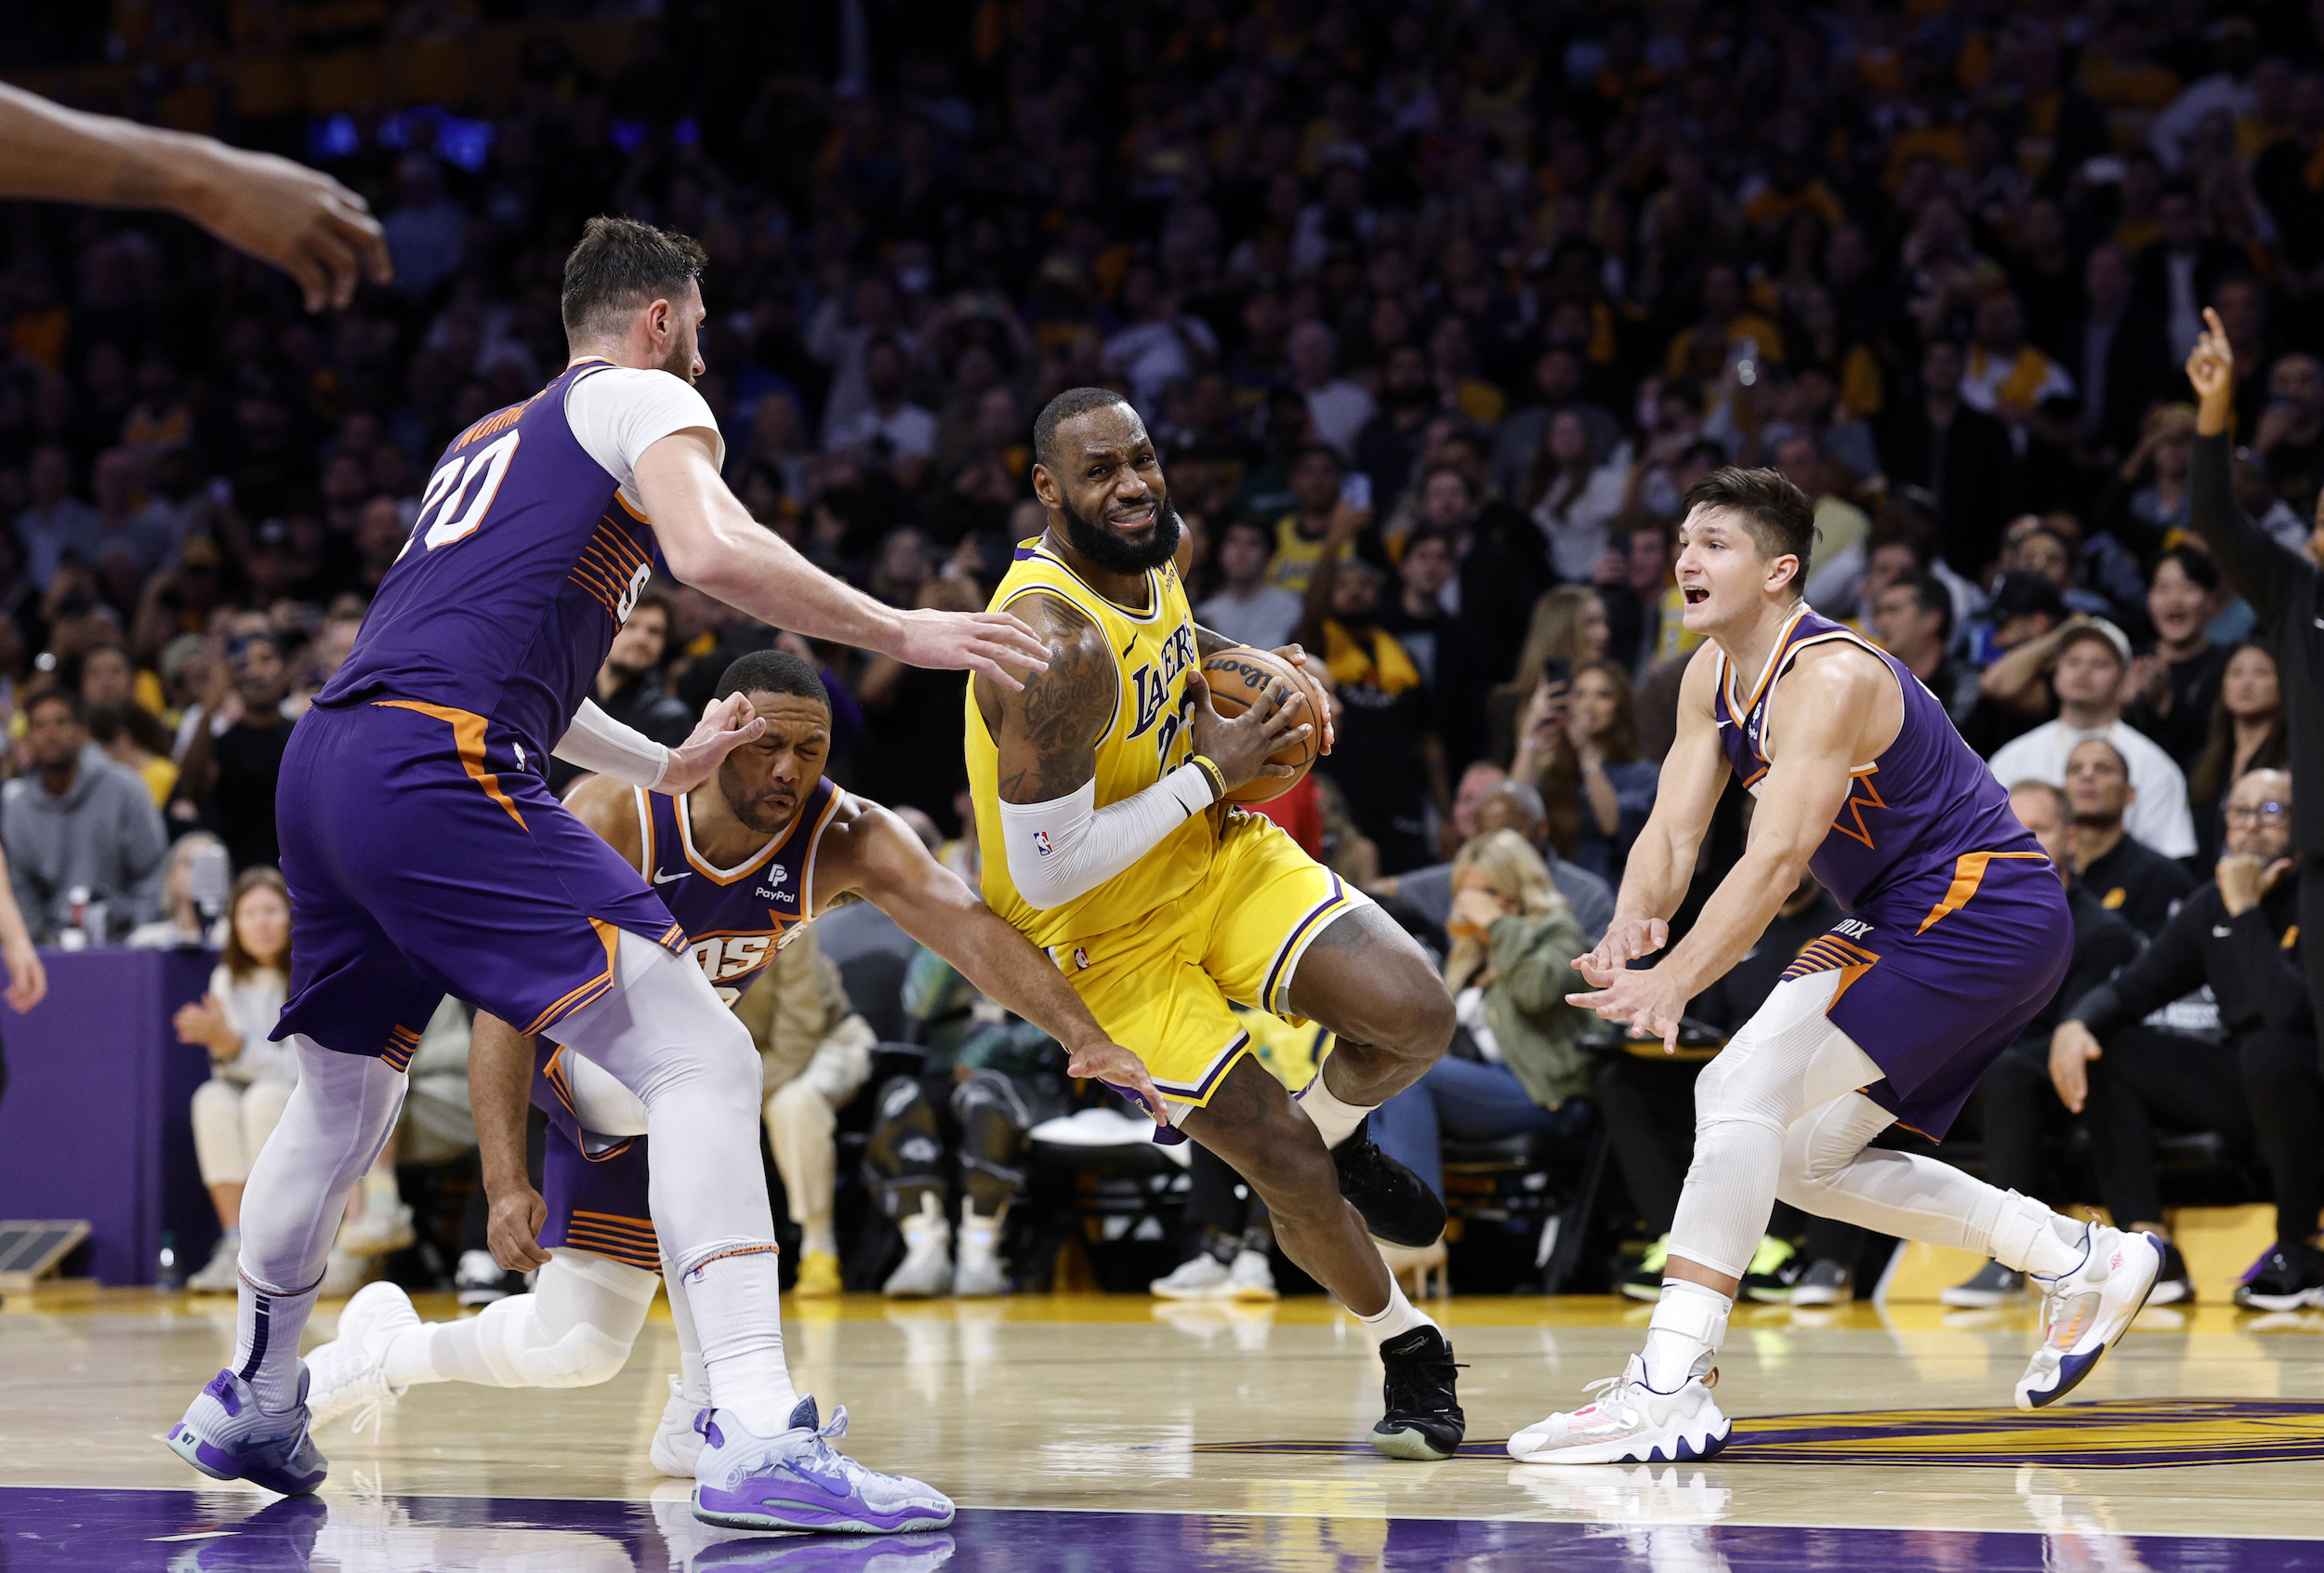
(907, 1145)
(520, 1352)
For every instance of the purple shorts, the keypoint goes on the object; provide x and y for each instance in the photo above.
(1941, 973)
(595, 1185)
(426, 856)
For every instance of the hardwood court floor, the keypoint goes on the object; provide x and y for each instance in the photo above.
(1112, 1432)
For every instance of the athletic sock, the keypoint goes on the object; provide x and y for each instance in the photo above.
(734, 1295)
(267, 1326)
(2029, 1238)
(819, 1236)
(1690, 1321)
(1336, 1119)
(1397, 1317)
(693, 1382)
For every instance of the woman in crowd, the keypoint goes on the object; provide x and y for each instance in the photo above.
(181, 922)
(1569, 627)
(2247, 734)
(1597, 761)
(250, 1077)
(1515, 939)
(2161, 502)
(1574, 496)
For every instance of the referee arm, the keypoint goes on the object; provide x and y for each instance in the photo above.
(2264, 570)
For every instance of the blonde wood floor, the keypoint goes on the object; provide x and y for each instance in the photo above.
(1098, 1403)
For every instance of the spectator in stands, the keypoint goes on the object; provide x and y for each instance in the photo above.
(54, 525)
(250, 1077)
(2176, 683)
(181, 924)
(2247, 732)
(2015, 1103)
(816, 1054)
(1614, 785)
(2161, 504)
(1247, 608)
(1504, 805)
(234, 768)
(2089, 660)
(629, 686)
(2259, 1086)
(2125, 875)
(1912, 618)
(1569, 626)
(1338, 407)
(79, 822)
(1962, 457)
(1576, 496)
(1514, 940)
(1317, 521)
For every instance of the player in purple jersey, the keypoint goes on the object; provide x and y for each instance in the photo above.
(425, 854)
(1956, 934)
(745, 861)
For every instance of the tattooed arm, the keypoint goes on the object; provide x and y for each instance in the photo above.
(1048, 731)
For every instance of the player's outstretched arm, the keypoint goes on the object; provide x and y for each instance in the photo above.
(1662, 862)
(500, 1087)
(298, 219)
(887, 866)
(713, 544)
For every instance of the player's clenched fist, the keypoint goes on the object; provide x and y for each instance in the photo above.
(1241, 747)
(1626, 940)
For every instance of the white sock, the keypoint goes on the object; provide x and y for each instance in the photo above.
(734, 1295)
(266, 1343)
(819, 1236)
(2029, 1238)
(1397, 1317)
(979, 1234)
(1335, 1118)
(693, 1382)
(1690, 1321)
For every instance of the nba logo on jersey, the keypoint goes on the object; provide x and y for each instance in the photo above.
(1040, 843)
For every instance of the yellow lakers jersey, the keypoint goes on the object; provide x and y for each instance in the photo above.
(1148, 737)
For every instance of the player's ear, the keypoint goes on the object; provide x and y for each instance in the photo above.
(1045, 485)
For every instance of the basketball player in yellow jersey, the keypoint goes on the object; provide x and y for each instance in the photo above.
(1099, 791)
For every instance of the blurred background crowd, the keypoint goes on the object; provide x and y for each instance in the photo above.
(1433, 310)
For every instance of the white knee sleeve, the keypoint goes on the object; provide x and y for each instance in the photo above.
(574, 1329)
(333, 1126)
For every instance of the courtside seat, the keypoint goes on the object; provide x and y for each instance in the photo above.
(1528, 1197)
(1097, 1176)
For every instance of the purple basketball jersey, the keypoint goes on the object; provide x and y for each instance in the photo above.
(520, 566)
(735, 919)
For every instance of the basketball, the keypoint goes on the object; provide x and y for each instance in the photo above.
(1239, 676)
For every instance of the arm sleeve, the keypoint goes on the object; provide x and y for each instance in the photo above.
(2260, 568)
(618, 414)
(1068, 846)
(2170, 969)
(595, 741)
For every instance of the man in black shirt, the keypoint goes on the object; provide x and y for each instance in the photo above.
(2259, 1086)
(236, 769)
(1386, 759)
(1444, 647)
(2124, 874)
(2015, 1101)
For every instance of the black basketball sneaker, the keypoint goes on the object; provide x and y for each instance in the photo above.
(1397, 1204)
(1423, 1419)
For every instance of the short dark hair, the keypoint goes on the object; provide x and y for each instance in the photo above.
(2193, 563)
(618, 265)
(661, 600)
(1073, 402)
(1780, 518)
(773, 671)
(1930, 594)
(69, 698)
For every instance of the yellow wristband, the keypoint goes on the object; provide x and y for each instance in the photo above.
(1211, 773)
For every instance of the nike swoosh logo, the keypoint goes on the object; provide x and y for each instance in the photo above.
(834, 1481)
(662, 878)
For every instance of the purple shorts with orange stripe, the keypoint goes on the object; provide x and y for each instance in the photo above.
(596, 1186)
(1941, 973)
(426, 856)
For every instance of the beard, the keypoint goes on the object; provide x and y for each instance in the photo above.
(1109, 553)
(681, 363)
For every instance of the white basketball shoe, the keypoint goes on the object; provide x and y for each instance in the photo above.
(2084, 1310)
(348, 1373)
(1630, 1422)
(676, 1445)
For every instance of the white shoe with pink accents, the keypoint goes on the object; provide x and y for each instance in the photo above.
(1630, 1422)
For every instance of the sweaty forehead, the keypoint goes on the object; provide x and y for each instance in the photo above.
(1110, 431)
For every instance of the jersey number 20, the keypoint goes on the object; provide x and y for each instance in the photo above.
(458, 494)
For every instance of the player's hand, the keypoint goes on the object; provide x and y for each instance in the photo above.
(726, 725)
(2210, 366)
(1241, 747)
(1121, 1070)
(2072, 1047)
(301, 220)
(985, 642)
(1314, 672)
(28, 980)
(1626, 940)
(514, 1229)
(1650, 1001)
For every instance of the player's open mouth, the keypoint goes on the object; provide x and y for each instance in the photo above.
(1136, 519)
(1695, 595)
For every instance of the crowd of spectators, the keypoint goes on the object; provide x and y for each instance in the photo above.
(1434, 312)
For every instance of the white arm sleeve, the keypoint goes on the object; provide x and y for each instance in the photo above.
(619, 413)
(1068, 846)
(595, 741)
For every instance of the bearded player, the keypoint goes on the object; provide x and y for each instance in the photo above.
(1958, 934)
(425, 855)
(1099, 791)
(745, 861)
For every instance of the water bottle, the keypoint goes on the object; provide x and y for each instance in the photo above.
(74, 934)
(94, 924)
(168, 1272)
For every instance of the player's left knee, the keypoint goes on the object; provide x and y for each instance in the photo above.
(1409, 1014)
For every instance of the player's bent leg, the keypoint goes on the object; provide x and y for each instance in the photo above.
(1369, 982)
(1252, 1124)
(251, 1421)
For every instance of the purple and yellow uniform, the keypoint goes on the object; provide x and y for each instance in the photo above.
(1958, 931)
(424, 851)
(735, 919)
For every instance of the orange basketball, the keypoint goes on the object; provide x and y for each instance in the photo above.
(1240, 675)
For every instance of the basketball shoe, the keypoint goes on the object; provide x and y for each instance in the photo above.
(227, 1436)
(2085, 1309)
(1423, 1419)
(348, 1374)
(1397, 1204)
(796, 1480)
(1629, 1422)
(676, 1445)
